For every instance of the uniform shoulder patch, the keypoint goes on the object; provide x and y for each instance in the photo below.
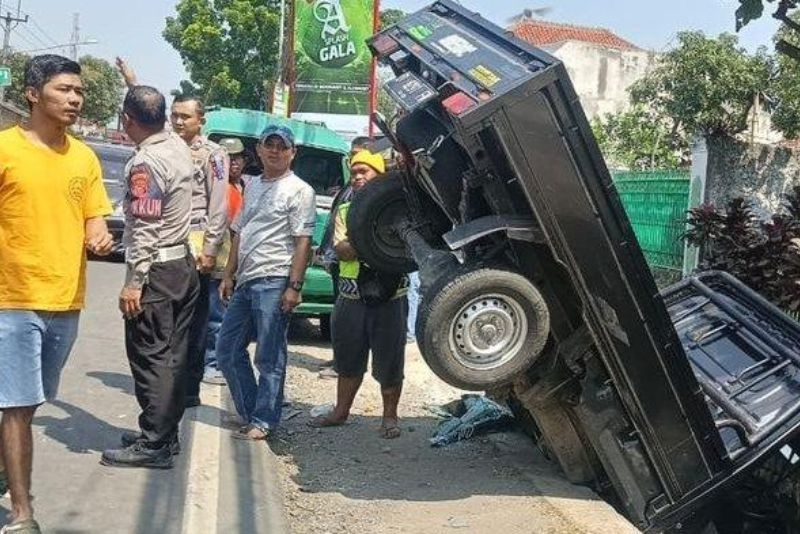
(146, 196)
(139, 180)
(218, 165)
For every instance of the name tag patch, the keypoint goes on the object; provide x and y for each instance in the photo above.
(218, 166)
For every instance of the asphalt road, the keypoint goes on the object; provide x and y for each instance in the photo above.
(217, 485)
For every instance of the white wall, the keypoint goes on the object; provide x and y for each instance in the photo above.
(602, 75)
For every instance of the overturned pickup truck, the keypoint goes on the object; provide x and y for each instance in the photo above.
(681, 408)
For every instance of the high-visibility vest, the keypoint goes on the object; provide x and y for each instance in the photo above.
(347, 269)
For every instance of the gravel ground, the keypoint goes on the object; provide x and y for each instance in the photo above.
(347, 479)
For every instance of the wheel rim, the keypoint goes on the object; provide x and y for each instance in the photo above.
(488, 331)
(384, 233)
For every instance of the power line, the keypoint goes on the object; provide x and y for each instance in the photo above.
(8, 21)
(42, 32)
(23, 37)
(36, 26)
(28, 35)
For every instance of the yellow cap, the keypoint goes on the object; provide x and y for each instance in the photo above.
(368, 158)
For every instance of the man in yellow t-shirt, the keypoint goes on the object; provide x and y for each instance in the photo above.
(52, 204)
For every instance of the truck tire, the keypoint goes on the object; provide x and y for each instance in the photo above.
(375, 210)
(482, 327)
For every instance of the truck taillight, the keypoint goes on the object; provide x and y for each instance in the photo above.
(458, 103)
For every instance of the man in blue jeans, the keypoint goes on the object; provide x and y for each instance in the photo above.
(269, 254)
(236, 178)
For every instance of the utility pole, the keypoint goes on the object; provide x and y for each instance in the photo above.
(8, 20)
(76, 37)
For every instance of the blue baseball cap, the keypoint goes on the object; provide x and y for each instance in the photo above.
(286, 135)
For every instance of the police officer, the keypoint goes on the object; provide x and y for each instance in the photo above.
(161, 284)
(209, 215)
(209, 223)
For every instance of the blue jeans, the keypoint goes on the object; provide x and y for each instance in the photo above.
(255, 305)
(34, 347)
(413, 304)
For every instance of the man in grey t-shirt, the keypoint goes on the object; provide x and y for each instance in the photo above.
(269, 254)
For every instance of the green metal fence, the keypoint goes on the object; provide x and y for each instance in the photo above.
(656, 203)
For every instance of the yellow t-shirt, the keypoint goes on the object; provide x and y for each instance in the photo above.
(45, 198)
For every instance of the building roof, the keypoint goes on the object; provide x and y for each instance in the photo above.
(541, 32)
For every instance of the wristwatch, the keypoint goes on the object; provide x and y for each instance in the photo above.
(297, 285)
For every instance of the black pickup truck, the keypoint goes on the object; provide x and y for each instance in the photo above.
(681, 407)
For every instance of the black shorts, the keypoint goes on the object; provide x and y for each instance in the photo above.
(358, 329)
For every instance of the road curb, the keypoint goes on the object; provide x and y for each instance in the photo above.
(268, 506)
(579, 506)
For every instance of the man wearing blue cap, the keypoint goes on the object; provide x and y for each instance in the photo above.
(269, 254)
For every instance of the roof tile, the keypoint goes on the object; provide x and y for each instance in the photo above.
(540, 32)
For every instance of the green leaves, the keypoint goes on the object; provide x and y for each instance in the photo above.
(16, 92)
(706, 86)
(747, 11)
(762, 254)
(229, 47)
(102, 85)
(639, 140)
(389, 17)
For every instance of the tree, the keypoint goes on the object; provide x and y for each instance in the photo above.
(229, 47)
(638, 140)
(102, 86)
(706, 86)
(786, 87)
(761, 253)
(16, 91)
(750, 10)
(389, 17)
(386, 105)
(187, 88)
(101, 83)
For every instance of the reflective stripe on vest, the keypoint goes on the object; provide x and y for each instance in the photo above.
(347, 269)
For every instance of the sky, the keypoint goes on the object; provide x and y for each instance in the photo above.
(133, 29)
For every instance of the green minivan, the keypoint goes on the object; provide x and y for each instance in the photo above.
(321, 161)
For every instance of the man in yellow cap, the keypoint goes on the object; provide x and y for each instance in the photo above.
(361, 324)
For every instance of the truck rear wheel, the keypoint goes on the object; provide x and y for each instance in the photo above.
(375, 211)
(481, 328)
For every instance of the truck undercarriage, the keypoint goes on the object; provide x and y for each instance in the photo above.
(682, 408)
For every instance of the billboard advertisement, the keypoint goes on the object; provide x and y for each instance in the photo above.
(332, 64)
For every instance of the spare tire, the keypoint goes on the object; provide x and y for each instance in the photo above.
(374, 212)
(480, 328)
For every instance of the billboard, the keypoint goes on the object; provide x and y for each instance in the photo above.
(333, 66)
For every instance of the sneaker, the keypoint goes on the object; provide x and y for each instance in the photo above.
(29, 526)
(138, 455)
(3, 483)
(129, 438)
(326, 364)
(214, 377)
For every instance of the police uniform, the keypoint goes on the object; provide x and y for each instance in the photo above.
(157, 219)
(209, 219)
